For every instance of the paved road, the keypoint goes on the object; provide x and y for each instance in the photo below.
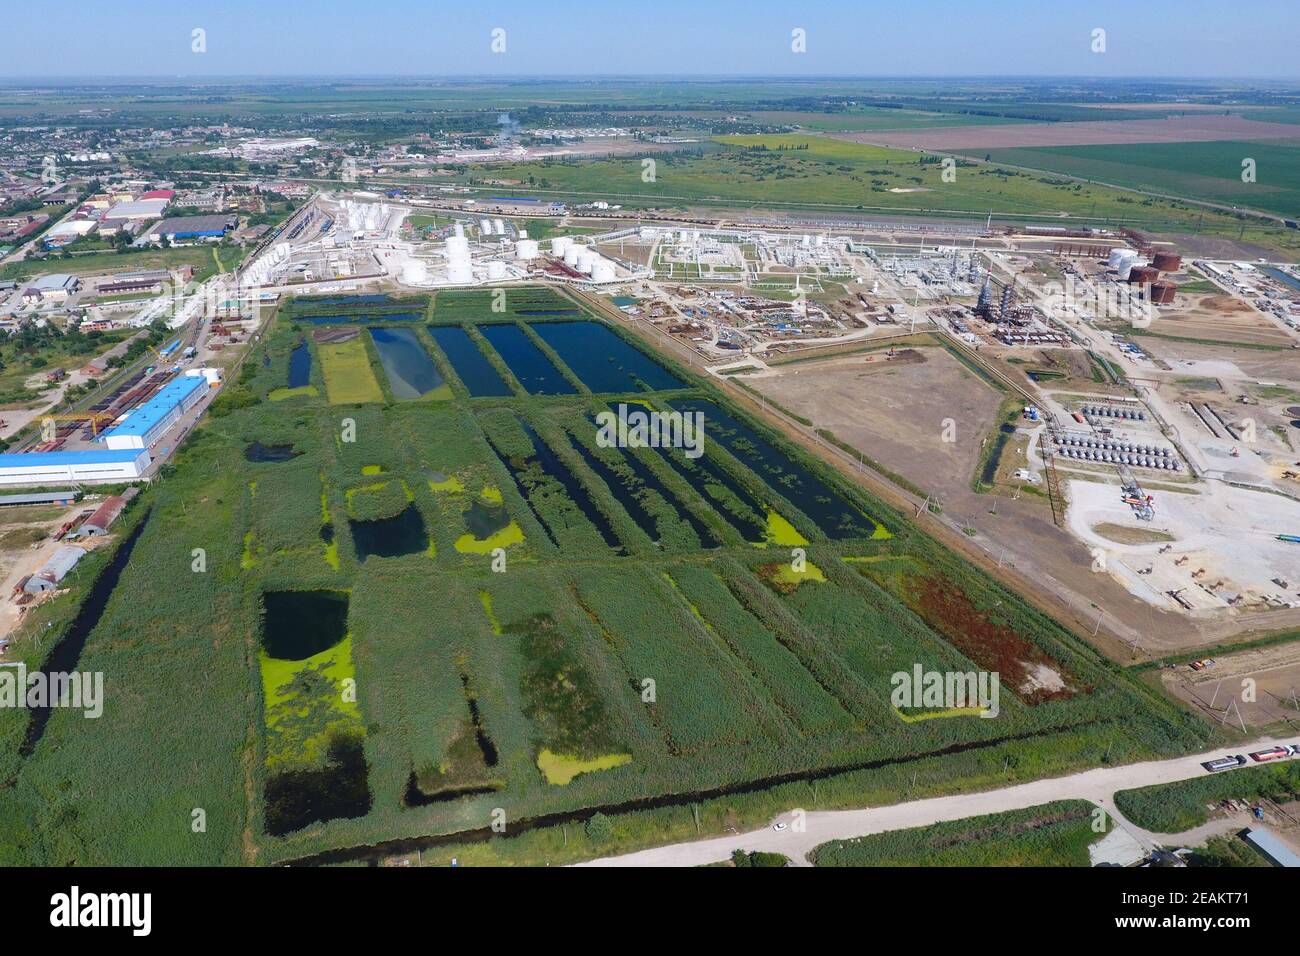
(1098, 786)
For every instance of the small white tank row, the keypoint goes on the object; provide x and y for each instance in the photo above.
(1110, 411)
(1124, 446)
(1116, 458)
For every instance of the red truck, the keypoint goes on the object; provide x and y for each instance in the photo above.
(1272, 753)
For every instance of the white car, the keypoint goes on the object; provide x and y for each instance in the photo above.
(778, 826)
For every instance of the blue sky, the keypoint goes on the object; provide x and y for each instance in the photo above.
(1209, 38)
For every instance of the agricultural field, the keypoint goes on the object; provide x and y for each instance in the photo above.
(418, 615)
(817, 171)
(1210, 172)
(876, 118)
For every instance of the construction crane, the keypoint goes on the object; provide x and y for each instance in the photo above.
(93, 417)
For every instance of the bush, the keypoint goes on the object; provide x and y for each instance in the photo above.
(599, 828)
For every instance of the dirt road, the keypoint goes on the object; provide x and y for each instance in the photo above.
(798, 839)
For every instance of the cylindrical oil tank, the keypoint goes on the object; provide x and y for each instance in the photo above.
(496, 269)
(1162, 293)
(1121, 258)
(1167, 261)
(571, 255)
(560, 245)
(603, 271)
(526, 249)
(1143, 275)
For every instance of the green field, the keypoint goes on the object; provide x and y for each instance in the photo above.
(1175, 807)
(1055, 834)
(349, 378)
(1210, 172)
(816, 172)
(644, 638)
(204, 259)
(875, 119)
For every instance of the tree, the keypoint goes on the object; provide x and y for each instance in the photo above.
(599, 828)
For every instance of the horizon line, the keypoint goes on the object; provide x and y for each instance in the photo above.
(673, 76)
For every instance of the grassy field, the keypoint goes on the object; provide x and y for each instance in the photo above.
(204, 260)
(636, 636)
(1174, 807)
(1206, 171)
(817, 172)
(349, 379)
(1055, 834)
(876, 118)
(29, 355)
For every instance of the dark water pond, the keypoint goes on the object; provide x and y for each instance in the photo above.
(270, 453)
(731, 500)
(650, 480)
(603, 361)
(339, 790)
(828, 509)
(619, 488)
(300, 365)
(374, 299)
(536, 373)
(411, 372)
(469, 363)
(483, 520)
(361, 318)
(393, 537)
(297, 625)
(552, 466)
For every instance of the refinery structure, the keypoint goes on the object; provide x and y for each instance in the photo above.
(337, 242)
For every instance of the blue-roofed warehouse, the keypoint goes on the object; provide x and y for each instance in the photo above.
(146, 423)
(73, 467)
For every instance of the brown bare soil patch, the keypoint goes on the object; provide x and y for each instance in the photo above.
(993, 647)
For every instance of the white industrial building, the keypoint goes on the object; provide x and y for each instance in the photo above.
(140, 209)
(73, 467)
(148, 422)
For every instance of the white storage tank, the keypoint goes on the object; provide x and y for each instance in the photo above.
(586, 259)
(496, 269)
(485, 227)
(571, 255)
(499, 226)
(460, 272)
(560, 245)
(603, 271)
(1122, 260)
(526, 249)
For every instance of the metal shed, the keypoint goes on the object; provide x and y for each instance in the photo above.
(63, 560)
